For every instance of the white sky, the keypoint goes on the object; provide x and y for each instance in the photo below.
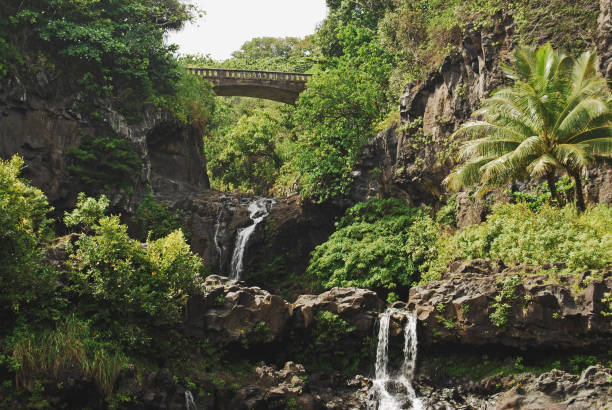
(230, 23)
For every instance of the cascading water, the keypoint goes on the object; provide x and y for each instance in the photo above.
(258, 210)
(216, 238)
(393, 392)
(189, 401)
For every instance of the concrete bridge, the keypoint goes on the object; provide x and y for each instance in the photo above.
(270, 85)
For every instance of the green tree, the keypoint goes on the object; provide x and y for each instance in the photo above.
(335, 116)
(24, 228)
(555, 116)
(250, 157)
(113, 48)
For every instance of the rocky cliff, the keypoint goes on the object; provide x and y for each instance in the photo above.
(417, 154)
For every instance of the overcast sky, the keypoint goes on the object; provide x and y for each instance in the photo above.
(229, 23)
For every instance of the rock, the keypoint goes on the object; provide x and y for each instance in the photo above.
(542, 312)
(227, 311)
(359, 307)
(604, 37)
(560, 390)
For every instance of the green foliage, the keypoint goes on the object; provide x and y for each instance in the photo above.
(104, 163)
(251, 154)
(517, 235)
(422, 32)
(379, 244)
(540, 195)
(60, 351)
(193, 102)
(504, 300)
(124, 281)
(87, 213)
(556, 116)
(447, 215)
(156, 220)
(336, 115)
(114, 48)
(24, 229)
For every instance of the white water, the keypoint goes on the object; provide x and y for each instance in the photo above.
(390, 400)
(189, 401)
(216, 238)
(258, 210)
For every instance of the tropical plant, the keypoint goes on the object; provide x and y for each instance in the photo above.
(24, 228)
(518, 235)
(556, 116)
(380, 244)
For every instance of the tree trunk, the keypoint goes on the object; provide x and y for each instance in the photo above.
(578, 192)
(552, 187)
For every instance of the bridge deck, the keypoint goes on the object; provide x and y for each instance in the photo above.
(271, 85)
(221, 73)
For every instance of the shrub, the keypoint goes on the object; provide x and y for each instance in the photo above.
(133, 289)
(24, 228)
(59, 352)
(87, 213)
(156, 220)
(104, 162)
(379, 244)
(516, 235)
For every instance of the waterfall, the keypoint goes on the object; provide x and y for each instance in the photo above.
(258, 210)
(216, 238)
(189, 401)
(394, 391)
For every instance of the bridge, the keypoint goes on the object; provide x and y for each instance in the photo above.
(270, 85)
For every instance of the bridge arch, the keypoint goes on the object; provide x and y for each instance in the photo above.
(270, 85)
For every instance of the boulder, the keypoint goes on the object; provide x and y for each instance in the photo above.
(557, 311)
(228, 311)
(359, 307)
(560, 390)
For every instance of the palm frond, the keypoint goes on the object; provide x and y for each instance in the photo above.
(581, 116)
(572, 156)
(467, 174)
(542, 166)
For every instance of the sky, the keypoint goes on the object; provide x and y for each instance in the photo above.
(228, 24)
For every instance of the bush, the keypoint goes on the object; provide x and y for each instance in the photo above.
(516, 235)
(87, 213)
(156, 220)
(131, 288)
(379, 244)
(105, 163)
(24, 228)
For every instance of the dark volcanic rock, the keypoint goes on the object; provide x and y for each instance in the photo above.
(542, 311)
(560, 390)
(227, 311)
(359, 307)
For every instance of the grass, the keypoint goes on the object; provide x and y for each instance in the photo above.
(66, 349)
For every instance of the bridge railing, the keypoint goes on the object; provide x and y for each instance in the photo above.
(221, 74)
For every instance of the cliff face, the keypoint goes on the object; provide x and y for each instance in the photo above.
(417, 155)
(42, 122)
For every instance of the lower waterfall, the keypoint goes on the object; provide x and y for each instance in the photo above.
(258, 210)
(395, 391)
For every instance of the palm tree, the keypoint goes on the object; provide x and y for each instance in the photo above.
(556, 116)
